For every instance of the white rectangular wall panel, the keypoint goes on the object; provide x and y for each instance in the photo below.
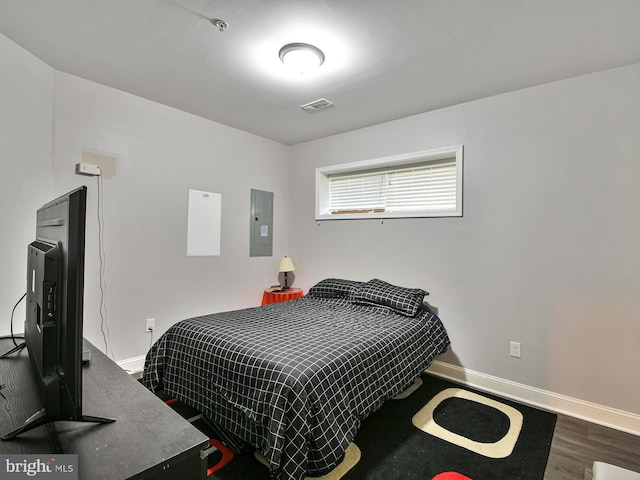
(203, 225)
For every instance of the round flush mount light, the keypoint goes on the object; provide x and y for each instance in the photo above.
(301, 57)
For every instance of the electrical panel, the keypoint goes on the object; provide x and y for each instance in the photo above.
(261, 241)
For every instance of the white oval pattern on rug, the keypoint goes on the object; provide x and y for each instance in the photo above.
(501, 449)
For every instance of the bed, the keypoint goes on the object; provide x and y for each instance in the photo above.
(296, 379)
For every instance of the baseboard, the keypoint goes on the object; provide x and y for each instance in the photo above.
(133, 366)
(592, 412)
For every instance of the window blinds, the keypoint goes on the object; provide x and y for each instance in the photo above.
(424, 187)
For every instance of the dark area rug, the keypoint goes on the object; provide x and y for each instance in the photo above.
(392, 447)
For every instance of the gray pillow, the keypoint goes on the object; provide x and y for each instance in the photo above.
(404, 300)
(334, 288)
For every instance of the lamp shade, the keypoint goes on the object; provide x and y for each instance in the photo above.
(286, 265)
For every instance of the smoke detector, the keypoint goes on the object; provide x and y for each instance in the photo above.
(316, 105)
(219, 24)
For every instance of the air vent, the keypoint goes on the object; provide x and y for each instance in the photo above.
(316, 105)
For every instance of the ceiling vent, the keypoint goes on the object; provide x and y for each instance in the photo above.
(316, 105)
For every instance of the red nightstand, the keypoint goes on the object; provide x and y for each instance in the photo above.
(283, 296)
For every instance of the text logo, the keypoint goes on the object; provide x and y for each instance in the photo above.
(43, 467)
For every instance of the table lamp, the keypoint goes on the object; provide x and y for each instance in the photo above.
(286, 266)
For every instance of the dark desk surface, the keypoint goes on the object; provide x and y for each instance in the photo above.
(147, 439)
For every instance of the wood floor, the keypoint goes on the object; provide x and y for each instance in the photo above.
(577, 444)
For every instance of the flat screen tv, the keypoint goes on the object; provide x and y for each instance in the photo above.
(54, 311)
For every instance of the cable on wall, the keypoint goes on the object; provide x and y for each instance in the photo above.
(104, 324)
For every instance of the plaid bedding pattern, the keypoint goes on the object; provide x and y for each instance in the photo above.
(294, 379)
(378, 292)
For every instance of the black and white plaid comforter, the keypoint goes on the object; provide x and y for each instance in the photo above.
(294, 379)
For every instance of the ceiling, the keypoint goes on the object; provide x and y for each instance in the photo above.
(384, 60)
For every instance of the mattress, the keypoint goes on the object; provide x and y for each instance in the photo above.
(295, 379)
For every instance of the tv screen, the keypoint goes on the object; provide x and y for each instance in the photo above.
(55, 298)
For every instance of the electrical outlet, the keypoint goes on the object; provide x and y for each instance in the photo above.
(516, 349)
(150, 326)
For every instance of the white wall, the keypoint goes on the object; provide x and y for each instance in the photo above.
(162, 153)
(48, 118)
(546, 253)
(26, 120)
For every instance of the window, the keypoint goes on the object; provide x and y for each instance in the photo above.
(421, 184)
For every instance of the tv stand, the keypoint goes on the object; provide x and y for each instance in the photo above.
(166, 445)
(41, 418)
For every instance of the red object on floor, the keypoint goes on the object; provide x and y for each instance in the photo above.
(227, 455)
(450, 476)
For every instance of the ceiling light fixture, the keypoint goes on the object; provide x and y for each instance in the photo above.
(301, 57)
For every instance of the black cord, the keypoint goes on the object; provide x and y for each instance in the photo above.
(17, 346)
(15, 349)
(12, 312)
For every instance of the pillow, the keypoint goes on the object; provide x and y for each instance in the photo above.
(404, 300)
(334, 288)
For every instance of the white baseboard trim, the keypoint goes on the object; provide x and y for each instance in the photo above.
(592, 412)
(555, 402)
(133, 365)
